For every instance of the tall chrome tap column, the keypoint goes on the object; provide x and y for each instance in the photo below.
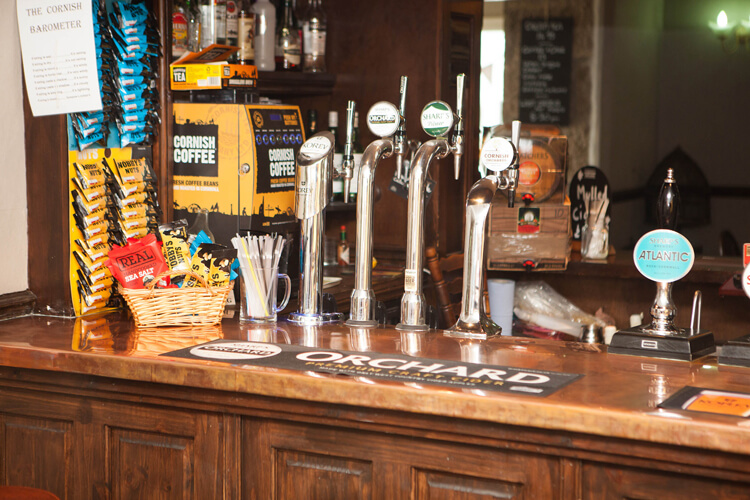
(497, 155)
(383, 120)
(437, 120)
(312, 186)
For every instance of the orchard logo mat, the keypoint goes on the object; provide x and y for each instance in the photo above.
(375, 366)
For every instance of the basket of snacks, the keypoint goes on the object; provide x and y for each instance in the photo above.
(166, 283)
(200, 305)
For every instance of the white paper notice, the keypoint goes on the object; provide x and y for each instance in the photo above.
(59, 56)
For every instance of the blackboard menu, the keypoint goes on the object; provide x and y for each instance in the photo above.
(546, 46)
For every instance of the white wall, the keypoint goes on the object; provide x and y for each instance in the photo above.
(704, 108)
(13, 213)
(629, 106)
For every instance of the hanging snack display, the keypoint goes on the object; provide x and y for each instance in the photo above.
(129, 181)
(136, 45)
(113, 199)
(127, 49)
(91, 129)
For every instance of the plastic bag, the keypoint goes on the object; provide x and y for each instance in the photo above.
(538, 303)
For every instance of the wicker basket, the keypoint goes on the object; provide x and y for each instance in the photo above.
(177, 306)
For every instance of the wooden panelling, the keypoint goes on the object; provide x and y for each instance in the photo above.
(605, 483)
(430, 485)
(154, 452)
(149, 465)
(81, 448)
(317, 477)
(334, 462)
(95, 438)
(36, 452)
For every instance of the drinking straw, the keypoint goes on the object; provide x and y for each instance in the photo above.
(249, 272)
(259, 260)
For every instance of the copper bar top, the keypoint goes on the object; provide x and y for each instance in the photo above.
(616, 397)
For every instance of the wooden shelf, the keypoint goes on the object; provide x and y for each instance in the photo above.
(277, 83)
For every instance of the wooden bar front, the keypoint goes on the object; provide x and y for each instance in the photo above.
(88, 409)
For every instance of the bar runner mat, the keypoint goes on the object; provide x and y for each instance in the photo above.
(395, 367)
(709, 401)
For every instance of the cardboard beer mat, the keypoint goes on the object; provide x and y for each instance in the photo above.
(709, 401)
(394, 367)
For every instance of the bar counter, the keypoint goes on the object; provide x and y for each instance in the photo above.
(94, 410)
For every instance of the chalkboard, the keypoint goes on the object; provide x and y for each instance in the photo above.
(546, 46)
(589, 183)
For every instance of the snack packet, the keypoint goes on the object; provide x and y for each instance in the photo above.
(213, 263)
(137, 263)
(175, 247)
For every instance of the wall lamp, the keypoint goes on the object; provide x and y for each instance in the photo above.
(727, 31)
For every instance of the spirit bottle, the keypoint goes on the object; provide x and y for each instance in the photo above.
(288, 49)
(245, 33)
(220, 11)
(179, 29)
(265, 32)
(314, 28)
(194, 25)
(208, 23)
(232, 25)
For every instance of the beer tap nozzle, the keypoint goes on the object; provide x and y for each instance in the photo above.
(457, 145)
(348, 160)
(400, 146)
(512, 174)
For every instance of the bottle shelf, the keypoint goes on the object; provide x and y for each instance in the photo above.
(280, 83)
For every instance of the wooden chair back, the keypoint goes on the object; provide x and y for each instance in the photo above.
(447, 277)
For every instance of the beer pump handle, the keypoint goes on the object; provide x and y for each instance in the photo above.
(458, 133)
(515, 138)
(348, 160)
(402, 103)
(668, 204)
(399, 139)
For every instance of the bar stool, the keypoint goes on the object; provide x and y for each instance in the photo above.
(25, 493)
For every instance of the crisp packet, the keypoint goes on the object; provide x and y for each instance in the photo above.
(213, 263)
(137, 263)
(174, 246)
(197, 240)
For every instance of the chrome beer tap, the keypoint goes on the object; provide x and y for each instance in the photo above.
(383, 120)
(437, 120)
(498, 155)
(512, 172)
(400, 143)
(347, 164)
(312, 187)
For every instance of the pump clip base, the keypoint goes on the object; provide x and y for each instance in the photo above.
(680, 346)
(736, 352)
